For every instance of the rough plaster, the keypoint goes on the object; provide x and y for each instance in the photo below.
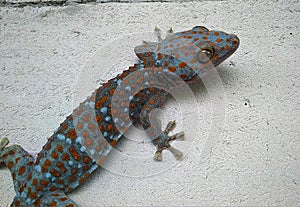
(45, 52)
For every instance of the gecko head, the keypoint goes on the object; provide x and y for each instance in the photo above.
(212, 46)
(189, 52)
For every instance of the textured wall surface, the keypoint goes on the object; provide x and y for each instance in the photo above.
(48, 53)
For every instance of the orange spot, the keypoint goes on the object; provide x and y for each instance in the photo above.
(227, 40)
(17, 160)
(98, 148)
(81, 180)
(172, 69)
(216, 33)
(59, 148)
(88, 142)
(218, 40)
(123, 104)
(114, 111)
(177, 56)
(22, 170)
(86, 118)
(55, 173)
(186, 53)
(122, 93)
(61, 182)
(101, 128)
(61, 167)
(44, 182)
(85, 133)
(112, 91)
(86, 160)
(11, 152)
(54, 155)
(183, 76)
(74, 171)
(63, 199)
(71, 134)
(92, 126)
(166, 64)
(98, 119)
(79, 125)
(65, 157)
(64, 126)
(132, 105)
(204, 37)
(47, 146)
(182, 65)
(113, 143)
(159, 56)
(53, 188)
(86, 168)
(100, 160)
(196, 39)
(52, 204)
(17, 203)
(74, 154)
(72, 178)
(125, 82)
(70, 205)
(34, 182)
(110, 127)
(151, 101)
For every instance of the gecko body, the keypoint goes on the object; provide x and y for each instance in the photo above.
(84, 139)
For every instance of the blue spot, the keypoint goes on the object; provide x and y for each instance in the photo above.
(130, 98)
(119, 82)
(125, 109)
(103, 110)
(38, 168)
(70, 162)
(116, 120)
(48, 175)
(68, 141)
(147, 83)
(111, 136)
(92, 104)
(146, 75)
(105, 134)
(61, 137)
(78, 140)
(79, 165)
(119, 136)
(128, 88)
(53, 179)
(92, 151)
(28, 201)
(107, 118)
(82, 149)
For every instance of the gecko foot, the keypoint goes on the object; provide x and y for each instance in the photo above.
(163, 142)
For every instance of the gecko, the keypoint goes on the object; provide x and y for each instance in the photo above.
(88, 134)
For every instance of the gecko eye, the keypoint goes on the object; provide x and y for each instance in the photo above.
(205, 55)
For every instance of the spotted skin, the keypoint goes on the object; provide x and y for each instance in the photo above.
(84, 139)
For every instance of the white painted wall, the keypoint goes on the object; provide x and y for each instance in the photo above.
(46, 53)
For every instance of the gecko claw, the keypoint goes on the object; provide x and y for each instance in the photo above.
(163, 142)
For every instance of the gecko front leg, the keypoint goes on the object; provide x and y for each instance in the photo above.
(160, 138)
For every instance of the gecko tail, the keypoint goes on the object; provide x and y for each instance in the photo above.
(18, 161)
(56, 198)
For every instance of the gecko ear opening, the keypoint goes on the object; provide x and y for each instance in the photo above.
(146, 52)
